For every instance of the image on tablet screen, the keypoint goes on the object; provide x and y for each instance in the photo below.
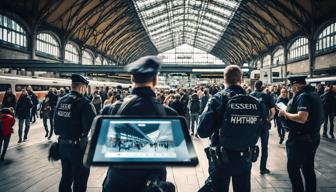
(141, 141)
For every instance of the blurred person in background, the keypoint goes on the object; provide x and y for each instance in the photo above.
(23, 112)
(9, 100)
(280, 120)
(34, 99)
(97, 102)
(195, 110)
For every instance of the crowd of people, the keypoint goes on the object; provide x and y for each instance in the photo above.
(198, 105)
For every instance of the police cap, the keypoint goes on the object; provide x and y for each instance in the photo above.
(300, 79)
(75, 78)
(144, 68)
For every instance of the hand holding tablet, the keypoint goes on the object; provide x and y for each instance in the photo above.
(140, 141)
(281, 106)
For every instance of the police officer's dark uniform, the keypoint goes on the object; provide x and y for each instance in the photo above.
(303, 138)
(269, 103)
(133, 180)
(73, 117)
(239, 166)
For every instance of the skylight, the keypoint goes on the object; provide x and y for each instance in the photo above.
(199, 23)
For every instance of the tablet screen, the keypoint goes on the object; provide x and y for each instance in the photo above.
(141, 140)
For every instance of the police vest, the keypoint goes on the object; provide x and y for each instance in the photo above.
(315, 117)
(64, 123)
(242, 122)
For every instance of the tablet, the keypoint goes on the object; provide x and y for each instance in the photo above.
(281, 105)
(140, 141)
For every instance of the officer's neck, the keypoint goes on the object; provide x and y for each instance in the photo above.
(142, 85)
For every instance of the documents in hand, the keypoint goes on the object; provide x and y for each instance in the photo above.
(281, 106)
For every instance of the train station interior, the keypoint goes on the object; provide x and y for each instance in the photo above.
(44, 42)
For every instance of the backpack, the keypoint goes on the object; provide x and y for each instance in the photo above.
(241, 121)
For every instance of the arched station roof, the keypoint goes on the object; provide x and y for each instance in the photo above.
(232, 30)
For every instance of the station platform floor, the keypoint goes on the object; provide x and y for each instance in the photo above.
(26, 167)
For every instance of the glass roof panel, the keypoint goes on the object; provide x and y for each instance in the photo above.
(196, 22)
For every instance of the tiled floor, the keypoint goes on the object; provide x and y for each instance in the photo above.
(27, 168)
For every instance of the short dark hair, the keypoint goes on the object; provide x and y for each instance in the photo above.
(77, 85)
(232, 74)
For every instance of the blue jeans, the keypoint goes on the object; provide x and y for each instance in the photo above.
(194, 117)
(45, 124)
(5, 142)
(281, 129)
(26, 121)
(264, 148)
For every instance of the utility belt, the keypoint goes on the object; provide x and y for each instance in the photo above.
(219, 155)
(306, 136)
(82, 142)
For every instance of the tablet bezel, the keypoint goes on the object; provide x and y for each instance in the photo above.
(95, 130)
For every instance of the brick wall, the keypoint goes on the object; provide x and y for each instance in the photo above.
(12, 54)
(298, 67)
(325, 61)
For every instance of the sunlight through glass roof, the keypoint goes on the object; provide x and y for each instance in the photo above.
(199, 23)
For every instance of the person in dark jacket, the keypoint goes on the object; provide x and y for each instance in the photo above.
(73, 118)
(177, 105)
(144, 77)
(34, 99)
(52, 103)
(23, 112)
(9, 100)
(195, 110)
(304, 117)
(45, 114)
(204, 99)
(283, 98)
(329, 104)
(97, 101)
(269, 103)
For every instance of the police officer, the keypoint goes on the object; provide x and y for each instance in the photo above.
(239, 164)
(144, 76)
(269, 103)
(73, 117)
(304, 116)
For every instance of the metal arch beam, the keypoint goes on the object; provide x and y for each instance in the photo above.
(109, 27)
(116, 35)
(302, 10)
(115, 44)
(264, 23)
(137, 41)
(289, 14)
(46, 11)
(249, 36)
(226, 54)
(118, 48)
(255, 32)
(100, 20)
(236, 48)
(245, 41)
(93, 11)
(275, 20)
(250, 39)
(233, 52)
(231, 42)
